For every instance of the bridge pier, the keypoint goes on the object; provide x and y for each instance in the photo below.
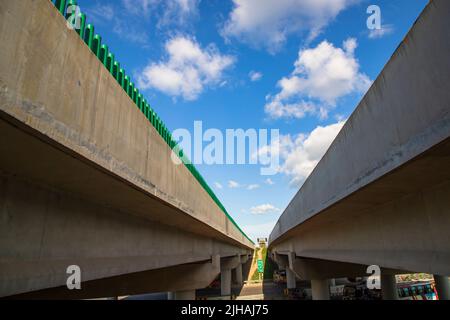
(389, 287)
(290, 279)
(226, 266)
(320, 289)
(225, 282)
(442, 287)
(238, 274)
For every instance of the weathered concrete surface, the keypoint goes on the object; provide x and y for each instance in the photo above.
(381, 194)
(84, 177)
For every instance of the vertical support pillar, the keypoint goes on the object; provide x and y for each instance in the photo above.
(389, 287)
(238, 273)
(225, 282)
(320, 289)
(442, 287)
(290, 279)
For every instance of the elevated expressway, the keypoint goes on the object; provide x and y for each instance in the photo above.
(381, 194)
(86, 180)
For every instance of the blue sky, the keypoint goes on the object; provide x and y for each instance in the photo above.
(299, 66)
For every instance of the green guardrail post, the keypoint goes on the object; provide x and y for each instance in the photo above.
(152, 118)
(126, 82)
(104, 51)
(121, 77)
(82, 18)
(147, 110)
(110, 63)
(135, 96)
(143, 105)
(116, 68)
(139, 101)
(89, 35)
(96, 43)
(61, 6)
(131, 90)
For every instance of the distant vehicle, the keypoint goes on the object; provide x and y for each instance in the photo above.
(354, 290)
(279, 276)
(417, 290)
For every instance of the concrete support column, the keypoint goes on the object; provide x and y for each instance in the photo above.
(389, 287)
(332, 282)
(238, 274)
(442, 287)
(320, 289)
(225, 282)
(290, 279)
(182, 295)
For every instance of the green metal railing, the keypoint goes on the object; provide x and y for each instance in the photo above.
(107, 58)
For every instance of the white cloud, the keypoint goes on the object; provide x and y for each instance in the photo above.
(233, 184)
(255, 231)
(167, 11)
(380, 33)
(264, 209)
(218, 185)
(269, 182)
(321, 76)
(302, 153)
(268, 23)
(139, 6)
(253, 187)
(255, 76)
(187, 70)
(107, 14)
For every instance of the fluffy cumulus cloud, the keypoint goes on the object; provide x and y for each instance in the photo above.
(188, 69)
(167, 11)
(268, 23)
(301, 153)
(234, 184)
(253, 186)
(255, 76)
(321, 76)
(264, 209)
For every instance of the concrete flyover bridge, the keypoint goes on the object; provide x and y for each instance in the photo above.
(381, 194)
(86, 175)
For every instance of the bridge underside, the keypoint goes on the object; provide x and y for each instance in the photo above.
(399, 221)
(52, 219)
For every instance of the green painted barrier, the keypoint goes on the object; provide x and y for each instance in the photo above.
(110, 63)
(89, 35)
(116, 68)
(126, 83)
(131, 90)
(82, 19)
(61, 6)
(135, 96)
(104, 51)
(96, 43)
